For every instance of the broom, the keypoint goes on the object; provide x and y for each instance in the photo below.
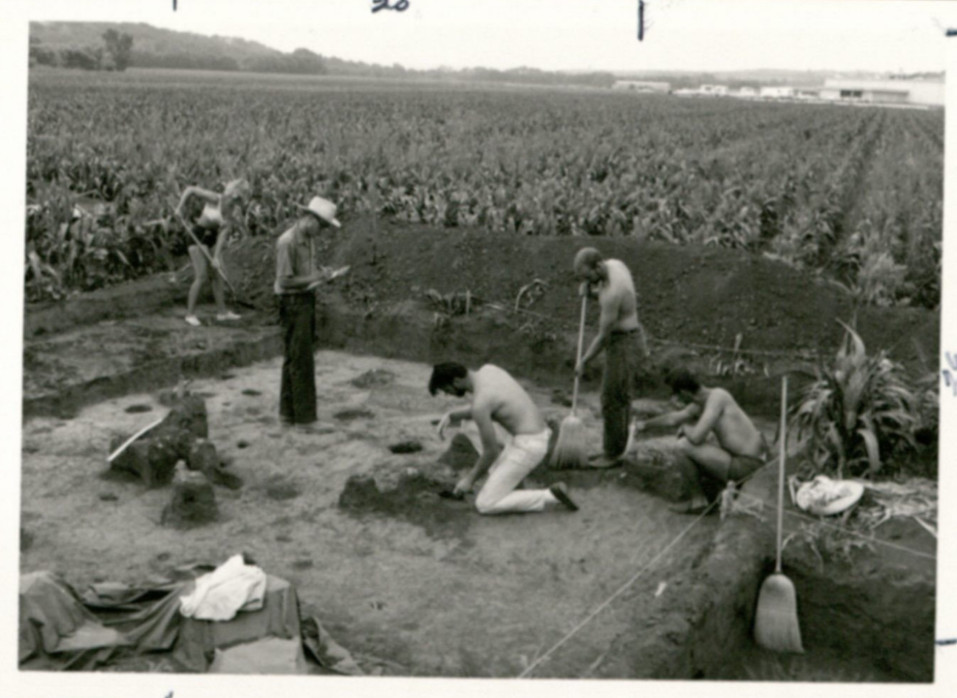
(776, 623)
(570, 451)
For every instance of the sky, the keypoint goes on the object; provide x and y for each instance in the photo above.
(871, 35)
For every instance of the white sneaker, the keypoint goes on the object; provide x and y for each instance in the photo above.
(229, 315)
(193, 320)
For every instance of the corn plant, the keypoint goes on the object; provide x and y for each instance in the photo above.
(858, 414)
(794, 182)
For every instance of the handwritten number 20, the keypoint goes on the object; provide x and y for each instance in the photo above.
(399, 6)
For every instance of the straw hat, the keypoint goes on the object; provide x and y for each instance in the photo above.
(323, 209)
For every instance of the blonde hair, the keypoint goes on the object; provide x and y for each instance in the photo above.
(238, 188)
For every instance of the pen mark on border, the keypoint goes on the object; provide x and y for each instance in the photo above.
(400, 6)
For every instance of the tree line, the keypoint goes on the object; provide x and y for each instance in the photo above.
(114, 54)
(117, 53)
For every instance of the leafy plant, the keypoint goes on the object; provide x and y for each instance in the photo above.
(859, 411)
(859, 199)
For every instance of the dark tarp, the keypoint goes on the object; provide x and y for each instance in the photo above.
(62, 630)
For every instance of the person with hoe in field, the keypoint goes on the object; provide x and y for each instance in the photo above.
(208, 218)
(740, 448)
(621, 337)
(498, 398)
(297, 277)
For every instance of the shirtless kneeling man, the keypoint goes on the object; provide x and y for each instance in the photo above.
(496, 397)
(740, 449)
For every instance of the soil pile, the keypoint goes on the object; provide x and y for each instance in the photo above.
(690, 296)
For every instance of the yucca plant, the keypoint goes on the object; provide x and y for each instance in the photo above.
(858, 412)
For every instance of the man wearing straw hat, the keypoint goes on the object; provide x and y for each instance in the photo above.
(296, 281)
(740, 449)
(621, 337)
(498, 398)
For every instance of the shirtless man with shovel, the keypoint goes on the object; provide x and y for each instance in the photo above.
(498, 398)
(740, 449)
(621, 337)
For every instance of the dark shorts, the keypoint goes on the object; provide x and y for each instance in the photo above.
(742, 466)
(206, 236)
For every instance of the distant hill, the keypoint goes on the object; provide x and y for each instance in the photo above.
(165, 48)
(58, 43)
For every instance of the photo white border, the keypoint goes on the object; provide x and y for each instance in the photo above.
(14, 47)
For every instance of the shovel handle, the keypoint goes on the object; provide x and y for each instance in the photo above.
(578, 354)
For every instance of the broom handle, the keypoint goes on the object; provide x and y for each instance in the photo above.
(578, 355)
(783, 446)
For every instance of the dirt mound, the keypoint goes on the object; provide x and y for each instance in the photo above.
(690, 296)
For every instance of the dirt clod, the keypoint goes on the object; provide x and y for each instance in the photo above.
(193, 502)
(406, 447)
(353, 413)
(202, 456)
(653, 467)
(375, 378)
(135, 409)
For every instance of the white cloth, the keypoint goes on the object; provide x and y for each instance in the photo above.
(498, 495)
(232, 587)
(826, 497)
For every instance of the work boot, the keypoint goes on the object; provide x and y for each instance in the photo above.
(560, 491)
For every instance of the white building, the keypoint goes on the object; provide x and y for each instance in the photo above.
(885, 91)
(777, 92)
(717, 90)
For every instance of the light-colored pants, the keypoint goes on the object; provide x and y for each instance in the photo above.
(519, 457)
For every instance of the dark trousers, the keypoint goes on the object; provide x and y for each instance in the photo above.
(622, 356)
(297, 394)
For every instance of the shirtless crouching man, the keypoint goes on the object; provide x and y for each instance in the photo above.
(497, 397)
(741, 448)
(621, 337)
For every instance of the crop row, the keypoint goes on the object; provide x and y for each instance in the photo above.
(854, 193)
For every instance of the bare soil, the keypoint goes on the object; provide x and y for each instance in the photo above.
(428, 587)
(431, 589)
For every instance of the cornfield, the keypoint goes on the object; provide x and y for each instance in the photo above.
(852, 194)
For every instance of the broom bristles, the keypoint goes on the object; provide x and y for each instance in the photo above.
(570, 451)
(776, 623)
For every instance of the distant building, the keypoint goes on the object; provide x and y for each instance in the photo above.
(747, 92)
(716, 90)
(642, 86)
(777, 92)
(925, 92)
(807, 92)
